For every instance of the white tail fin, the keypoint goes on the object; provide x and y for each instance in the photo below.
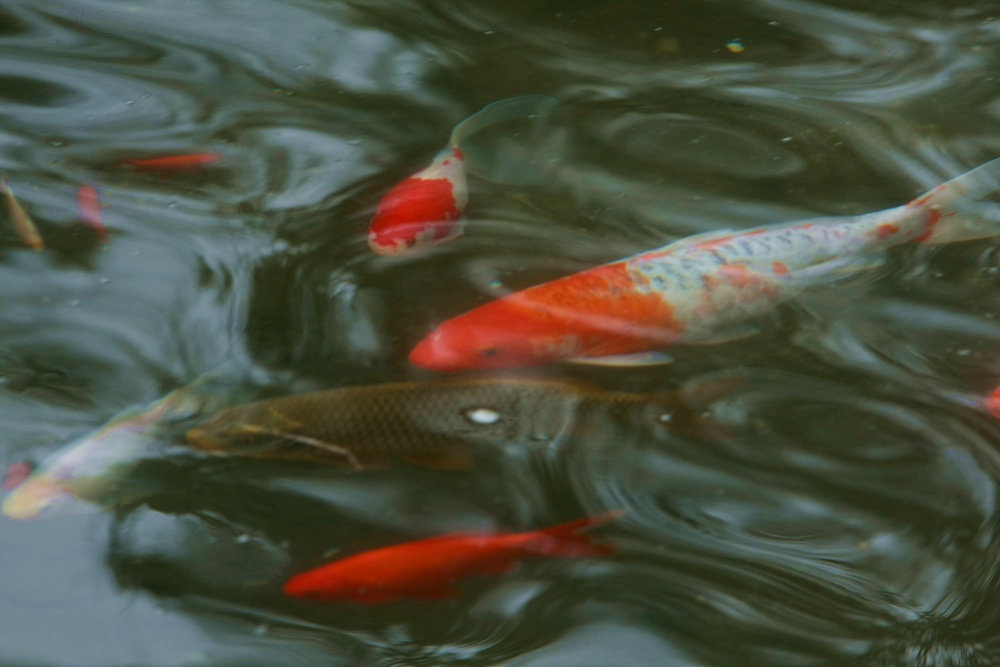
(960, 218)
(525, 106)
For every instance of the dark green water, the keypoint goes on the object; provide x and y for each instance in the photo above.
(847, 514)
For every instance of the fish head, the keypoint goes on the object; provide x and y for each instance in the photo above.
(468, 343)
(317, 584)
(35, 496)
(423, 210)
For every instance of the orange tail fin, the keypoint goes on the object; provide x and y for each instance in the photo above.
(564, 540)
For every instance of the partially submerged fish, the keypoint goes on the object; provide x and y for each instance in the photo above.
(426, 208)
(433, 423)
(185, 162)
(88, 203)
(700, 289)
(91, 468)
(428, 569)
(23, 224)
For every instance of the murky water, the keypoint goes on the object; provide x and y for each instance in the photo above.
(843, 513)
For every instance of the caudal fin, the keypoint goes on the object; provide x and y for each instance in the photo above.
(513, 156)
(565, 540)
(525, 106)
(957, 215)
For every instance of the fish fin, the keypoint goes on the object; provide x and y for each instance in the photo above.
(614, 360)
(992, 403)
(454, 457)
(524, 106)
(564, 540)
(695, 239)
(840, 267)
(956, 217)
(522, 158)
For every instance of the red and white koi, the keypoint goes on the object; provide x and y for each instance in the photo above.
(428, 569)
(699, 289)
(426, 208)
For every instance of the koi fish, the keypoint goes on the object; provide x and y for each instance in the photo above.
(92, 467)
(426, 208)
(428, 569)
(88, 203)
(176, 162)
(23, 224)
(701, 289)
(433, 423)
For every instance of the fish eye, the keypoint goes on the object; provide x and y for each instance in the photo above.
(482, 416)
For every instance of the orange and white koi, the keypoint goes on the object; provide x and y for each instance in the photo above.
(426, 208)
(185, 162)
(23, 224)
(428, 569)
(88, 204)
(699, 289)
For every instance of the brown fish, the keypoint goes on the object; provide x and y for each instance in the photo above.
(434, 423)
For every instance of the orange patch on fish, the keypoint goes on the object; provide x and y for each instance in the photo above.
(779, 268)
(185, 162)
(886, 230)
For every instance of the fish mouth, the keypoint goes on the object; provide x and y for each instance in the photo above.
(433, 355)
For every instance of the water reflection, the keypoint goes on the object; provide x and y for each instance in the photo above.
(841, 509)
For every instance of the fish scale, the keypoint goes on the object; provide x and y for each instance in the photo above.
(431, 423)
(698, 289)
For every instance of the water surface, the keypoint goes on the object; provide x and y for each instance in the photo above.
(845, 515)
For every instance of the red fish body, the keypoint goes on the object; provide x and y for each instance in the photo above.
(177, 162)
(423, 210)
(88, 203)
(428, 569)
(696, 290)
(426, 208)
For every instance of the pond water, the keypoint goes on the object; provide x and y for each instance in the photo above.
(844, 511)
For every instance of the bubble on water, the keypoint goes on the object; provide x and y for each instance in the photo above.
(483, 416)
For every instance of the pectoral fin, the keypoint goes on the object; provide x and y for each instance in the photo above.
(637, 359)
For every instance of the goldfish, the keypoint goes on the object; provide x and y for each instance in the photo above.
(426, 208)
(176, 162)
(433, 423)
(428, 569)
(88, 203)
(23, 224)
(89, 470)
(700, 289)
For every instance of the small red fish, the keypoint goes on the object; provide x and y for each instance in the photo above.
(428, 569)
(88, 203)
(426, 208)
(176, 162)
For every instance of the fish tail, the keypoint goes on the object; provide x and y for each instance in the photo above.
(565, 540)
(955, 214)
(511, 108)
